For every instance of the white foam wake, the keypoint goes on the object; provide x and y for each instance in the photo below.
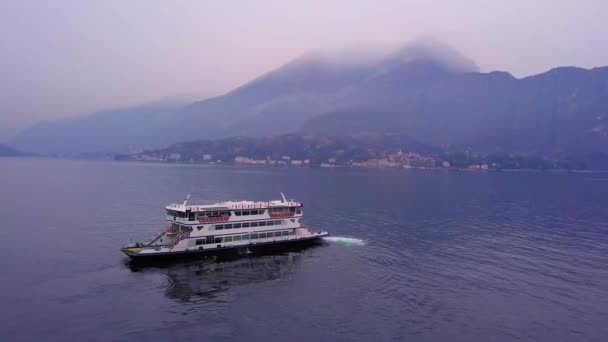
(345, 240)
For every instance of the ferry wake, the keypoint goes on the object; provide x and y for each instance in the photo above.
(227, 227)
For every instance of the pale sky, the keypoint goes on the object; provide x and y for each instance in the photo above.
(68, 57)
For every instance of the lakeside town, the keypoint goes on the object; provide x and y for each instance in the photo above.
(389, 152)
(407, 160)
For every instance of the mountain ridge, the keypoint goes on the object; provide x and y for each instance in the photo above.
(428, 91)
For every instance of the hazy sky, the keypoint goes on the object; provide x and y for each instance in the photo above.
(61, 58)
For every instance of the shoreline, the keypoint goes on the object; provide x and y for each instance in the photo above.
(313, 166)
(341, 167)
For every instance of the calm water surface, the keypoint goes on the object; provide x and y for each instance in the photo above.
(415, 255)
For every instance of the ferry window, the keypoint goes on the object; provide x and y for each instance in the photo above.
(269, 223)
(285, 233)
(245, 237)
(219, 226)
(298, 211)
(237, 238)
(199, 242)
(254, 236)
(262, 235)
(261, 212)
(218, 240)
(254, 224)
(200, 227)
(236, 225)
(245, 224)
(237, 213)
(228, 226)
(209, 240)
(228, 239)
(277, 222)
(246, 212)
(262, 223)
(277, 233)
(191, 216)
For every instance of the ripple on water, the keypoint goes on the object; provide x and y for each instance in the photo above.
(435, 257)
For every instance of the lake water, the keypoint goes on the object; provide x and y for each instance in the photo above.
(414, 255)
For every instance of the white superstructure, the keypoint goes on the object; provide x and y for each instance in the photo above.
(226, 225)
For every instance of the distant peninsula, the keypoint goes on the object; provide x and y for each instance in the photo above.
(7, 151)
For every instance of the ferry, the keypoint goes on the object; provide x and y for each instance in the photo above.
(226, 227)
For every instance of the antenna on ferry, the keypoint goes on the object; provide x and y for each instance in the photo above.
(186, 200)
(284, 200)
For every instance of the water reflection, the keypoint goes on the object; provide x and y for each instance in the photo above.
(209, 280)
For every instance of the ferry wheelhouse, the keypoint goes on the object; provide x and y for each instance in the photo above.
(227, 227)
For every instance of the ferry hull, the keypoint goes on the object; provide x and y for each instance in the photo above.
(259, 248)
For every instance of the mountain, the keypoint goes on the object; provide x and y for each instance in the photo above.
(275, 103)
(289, 96)
(118, 130)
(425, 90)
(562, 112)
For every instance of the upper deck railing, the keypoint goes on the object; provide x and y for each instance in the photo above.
(264, 205)
(285, 214)
(234, 206)
(214, 219)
